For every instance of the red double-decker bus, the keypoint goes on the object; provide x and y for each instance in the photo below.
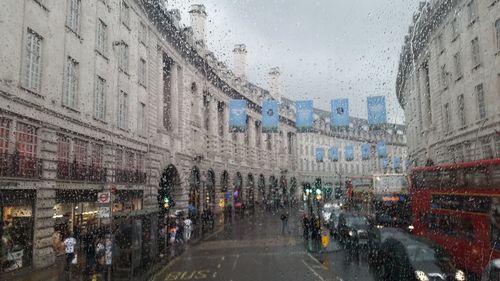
(458, 206)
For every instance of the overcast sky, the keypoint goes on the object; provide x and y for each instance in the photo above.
(325, 49)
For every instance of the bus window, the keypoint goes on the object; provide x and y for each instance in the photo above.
(449, 225)
(495, 176)
(495, 223)
(476, 178)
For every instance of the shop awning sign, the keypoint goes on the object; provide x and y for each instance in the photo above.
(103, 197)
(104, 212)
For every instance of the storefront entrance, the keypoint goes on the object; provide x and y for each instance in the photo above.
(210, 191)
(238, 191)
(16, 229)
(194, 193)
(262, 188)
(251, 192)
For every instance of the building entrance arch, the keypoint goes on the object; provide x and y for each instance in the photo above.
(209, 198)
(194, 192)
(261, 185)
(251, 192)
(238, 190)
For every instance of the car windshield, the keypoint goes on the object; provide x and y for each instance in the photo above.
(420, 253)
(168, 140)
(356, 221)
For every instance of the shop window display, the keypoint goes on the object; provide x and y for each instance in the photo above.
(17, 241)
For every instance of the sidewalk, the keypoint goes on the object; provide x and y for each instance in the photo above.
(56, 271)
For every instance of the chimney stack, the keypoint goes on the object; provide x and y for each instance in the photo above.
(198, 21)
(274, 83)
(240, 61)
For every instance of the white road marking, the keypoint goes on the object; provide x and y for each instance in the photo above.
(316, 260)
(312, 270)
(235, 261)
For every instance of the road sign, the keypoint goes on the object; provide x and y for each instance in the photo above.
(104, 212)
(103, 197)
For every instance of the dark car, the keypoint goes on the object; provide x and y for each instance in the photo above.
(353, 229)
(401, 256)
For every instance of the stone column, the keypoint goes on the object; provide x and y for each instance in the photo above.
(159, 115)
(251, 142)
(43, 254)
(424, 96)
(174, 98)
(227, 135)
(212, 126)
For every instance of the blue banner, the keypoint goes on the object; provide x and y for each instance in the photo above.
(304, 115)
(396, 162)
(320, 153)
(365, 151)
(381, 149)
(340, 113)
(237, 115)
(349, 152)
(270, 116)
(376, 111)
(333, 154)
(385, 163)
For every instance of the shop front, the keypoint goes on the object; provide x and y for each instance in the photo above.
(16, 229)
(75, 212)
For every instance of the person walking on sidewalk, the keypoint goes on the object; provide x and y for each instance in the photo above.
(187, 229)
(284, 222)
(69, 249)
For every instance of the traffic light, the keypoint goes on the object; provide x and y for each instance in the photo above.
(165, 200)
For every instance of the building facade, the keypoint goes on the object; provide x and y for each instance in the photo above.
(449, 82)
(356, 138)
(107, 95)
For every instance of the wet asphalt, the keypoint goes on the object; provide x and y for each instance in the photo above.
(253, 247)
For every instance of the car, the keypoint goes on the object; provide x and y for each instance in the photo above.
(402, 256)
(353, 229)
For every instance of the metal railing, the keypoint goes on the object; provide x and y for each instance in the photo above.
(128, 176)
(18, 166)
(80, 172)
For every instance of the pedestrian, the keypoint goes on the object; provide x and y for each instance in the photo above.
(100, 255)
(179, 235)
(69, 249)
(187, 229)
(305, 226)
(284, 222)
(89, 249)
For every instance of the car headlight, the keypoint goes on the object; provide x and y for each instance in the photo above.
(411, 227)
(351, 233)
(379, 226)
(460, 275)
(421, 276)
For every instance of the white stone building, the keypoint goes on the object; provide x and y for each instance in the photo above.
(335, 171)
(449, 82)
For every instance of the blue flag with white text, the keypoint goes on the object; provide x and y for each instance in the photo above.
(333, 154)
(304, 115)
(238, 115)
(396, 162)
(270, 116)
(340, 113)
(349, 152)
(320, 153)
(365, 151)
(381, 149)
(377, 114)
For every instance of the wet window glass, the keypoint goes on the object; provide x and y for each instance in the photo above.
(249, 140)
